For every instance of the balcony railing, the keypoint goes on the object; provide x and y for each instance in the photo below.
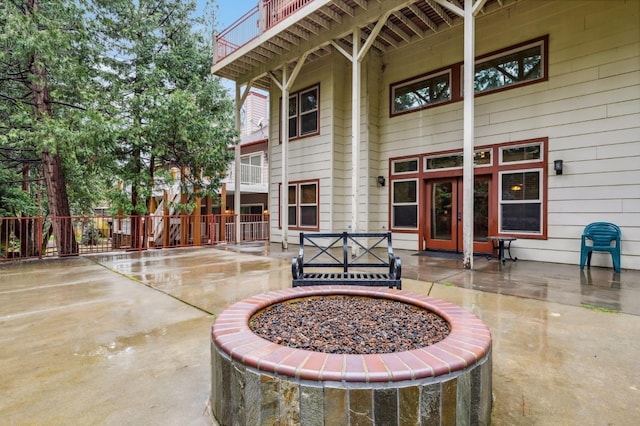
(249, 174)
(253, 23)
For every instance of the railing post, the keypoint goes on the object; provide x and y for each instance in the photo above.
(345, 252)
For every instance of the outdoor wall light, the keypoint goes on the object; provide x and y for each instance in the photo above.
(557, 166)
(381, 180)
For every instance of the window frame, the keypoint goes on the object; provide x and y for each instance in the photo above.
(501, 149)
(539, 200)
(421, 78)
(298, 204)
(457, 75)
(494, 169)
(405, 160)
(298, 116)
(543, 42)
(393, 204)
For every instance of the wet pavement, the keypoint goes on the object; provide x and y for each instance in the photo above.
(124, 338)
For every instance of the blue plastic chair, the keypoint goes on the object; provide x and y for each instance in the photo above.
(601, 235)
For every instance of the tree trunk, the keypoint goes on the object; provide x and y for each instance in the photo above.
(58, 200)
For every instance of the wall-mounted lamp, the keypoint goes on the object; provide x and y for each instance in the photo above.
(557, 166)
(381, 180)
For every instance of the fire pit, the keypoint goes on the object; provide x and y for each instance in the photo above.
(255, 380)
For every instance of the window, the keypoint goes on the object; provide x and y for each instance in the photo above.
(303, 113)
(405, 166)
(421, 92)
(252, 209)
(480, 158)
(521, 154)
(510, 68)
(303, 205)
(510, 182)
(251, 169)
(405, 204)
(514, 66)
(521, 201)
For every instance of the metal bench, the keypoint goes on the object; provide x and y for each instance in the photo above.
(369, 247)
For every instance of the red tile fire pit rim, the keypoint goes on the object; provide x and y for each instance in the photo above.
(468, 342)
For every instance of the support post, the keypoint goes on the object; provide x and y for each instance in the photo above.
(356, 83)
(284, 131)
(237, 193)
(468, 134)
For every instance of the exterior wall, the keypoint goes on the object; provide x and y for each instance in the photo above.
(308, 157)
(589, 109)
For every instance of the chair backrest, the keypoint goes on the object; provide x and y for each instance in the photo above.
(602, 233)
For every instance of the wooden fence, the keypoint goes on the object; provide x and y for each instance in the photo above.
(34, 237)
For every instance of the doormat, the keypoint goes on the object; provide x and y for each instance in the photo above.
(446, 254)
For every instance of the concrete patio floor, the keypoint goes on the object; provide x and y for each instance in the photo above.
(125, 338)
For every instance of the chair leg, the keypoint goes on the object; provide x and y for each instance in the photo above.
(583, 258)
(616, 262)
(589, 260)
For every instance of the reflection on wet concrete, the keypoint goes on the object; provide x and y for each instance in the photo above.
(124, 339)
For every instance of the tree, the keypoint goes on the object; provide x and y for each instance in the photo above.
(170, 111)
(45, 61)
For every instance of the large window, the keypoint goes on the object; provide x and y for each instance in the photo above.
(304, 113)
(303, 202)
(405, 204)
(521, 201)
(516, 65)
(421, 92)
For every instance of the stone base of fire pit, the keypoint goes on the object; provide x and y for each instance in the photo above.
(255, 381)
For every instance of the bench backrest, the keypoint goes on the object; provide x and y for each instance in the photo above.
(602, 233)
(342, 241)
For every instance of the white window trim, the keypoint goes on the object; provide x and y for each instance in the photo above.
(416, 204)
(300, 205)
(540, 200)
(430, 157)
(405, 160)
(535, 160)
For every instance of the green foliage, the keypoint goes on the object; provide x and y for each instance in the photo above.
(48, 35)
(130, 96)
(167, 110)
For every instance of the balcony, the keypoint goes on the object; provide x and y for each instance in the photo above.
(253, 23)
(278, 32)
(254, 179)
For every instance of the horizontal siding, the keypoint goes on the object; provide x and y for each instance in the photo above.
(589, 109)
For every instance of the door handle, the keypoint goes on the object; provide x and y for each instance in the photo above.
(459, 216)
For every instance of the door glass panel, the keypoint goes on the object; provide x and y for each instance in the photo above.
(441, 210)
(480, 209)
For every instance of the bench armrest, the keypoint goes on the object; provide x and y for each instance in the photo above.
(297, 267)
(395, 267)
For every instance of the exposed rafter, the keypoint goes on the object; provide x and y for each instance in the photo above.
(410, 24)
(316, 26)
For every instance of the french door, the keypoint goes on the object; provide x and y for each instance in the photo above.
(443, 230)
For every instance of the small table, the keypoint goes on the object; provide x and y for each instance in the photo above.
(501, 246)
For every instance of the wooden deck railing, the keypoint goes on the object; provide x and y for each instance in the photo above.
(33, 237)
